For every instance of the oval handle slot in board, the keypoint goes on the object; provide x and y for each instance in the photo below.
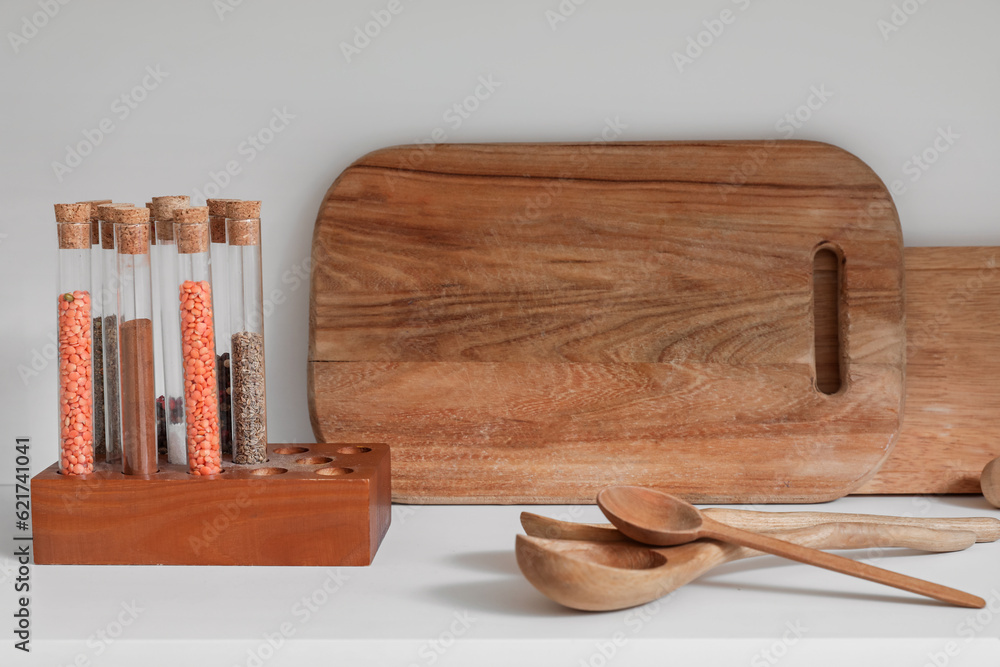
(826, 316)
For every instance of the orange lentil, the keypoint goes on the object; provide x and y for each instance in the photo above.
(197, 333)
(75, 407)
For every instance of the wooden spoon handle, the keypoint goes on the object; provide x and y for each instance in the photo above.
(764, 542)
(850, 535)
(864, 533)
(987, 529)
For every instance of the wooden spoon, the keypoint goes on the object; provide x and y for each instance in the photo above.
(653, 517)
(615, 574)
(984, 529)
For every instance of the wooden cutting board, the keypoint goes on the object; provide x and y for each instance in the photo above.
(951, 425)
(531, 323)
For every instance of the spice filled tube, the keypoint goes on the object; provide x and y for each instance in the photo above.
(97, 305)
(201, 404)
(76, 406)
(165, 263)
(246, 316)
(135, 343)
(107, 215)
(219, 251)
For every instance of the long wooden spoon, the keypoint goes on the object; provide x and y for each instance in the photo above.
(614, 572)
(941, 535)
(657, 518)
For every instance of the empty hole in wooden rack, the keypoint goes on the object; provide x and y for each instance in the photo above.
(826, 314)
(268, 471)
(291, 450)
(313, 460)
(334, 472)
(354, 450)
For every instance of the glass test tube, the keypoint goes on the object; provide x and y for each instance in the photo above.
(165, 259)
(201, 404)
(246, 298)
(159, 382)
(96, 326)
(76, 407)
(107, 215)
(219, 251)
(135, 343)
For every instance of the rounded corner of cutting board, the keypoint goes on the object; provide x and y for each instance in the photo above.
(892, 219)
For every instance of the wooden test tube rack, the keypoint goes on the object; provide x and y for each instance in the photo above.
(309, 504)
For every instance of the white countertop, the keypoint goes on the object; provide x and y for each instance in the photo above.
(445, 590)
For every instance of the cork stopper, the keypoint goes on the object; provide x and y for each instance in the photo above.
(95, 222)
(243, 210)
(217, 218)
(105, 211)
(219, 206)
(108, 216)
(74, 226)
(164, 207)
(243, 222)
(94, 203)
(133, 231)
(73, 212)
(132, 216)
(192, 236)
(191, 214)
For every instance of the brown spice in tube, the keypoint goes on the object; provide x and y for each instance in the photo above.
(138, 398)
(135, 341)
(250, 416)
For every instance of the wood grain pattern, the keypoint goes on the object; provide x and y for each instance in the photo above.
(951, 425)
(530, 323)
(301, 517)
(991, 482)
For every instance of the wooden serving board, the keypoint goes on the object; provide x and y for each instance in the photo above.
(531, 323)
(951, 425)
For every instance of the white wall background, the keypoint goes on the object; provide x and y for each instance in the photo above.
(228, 64)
